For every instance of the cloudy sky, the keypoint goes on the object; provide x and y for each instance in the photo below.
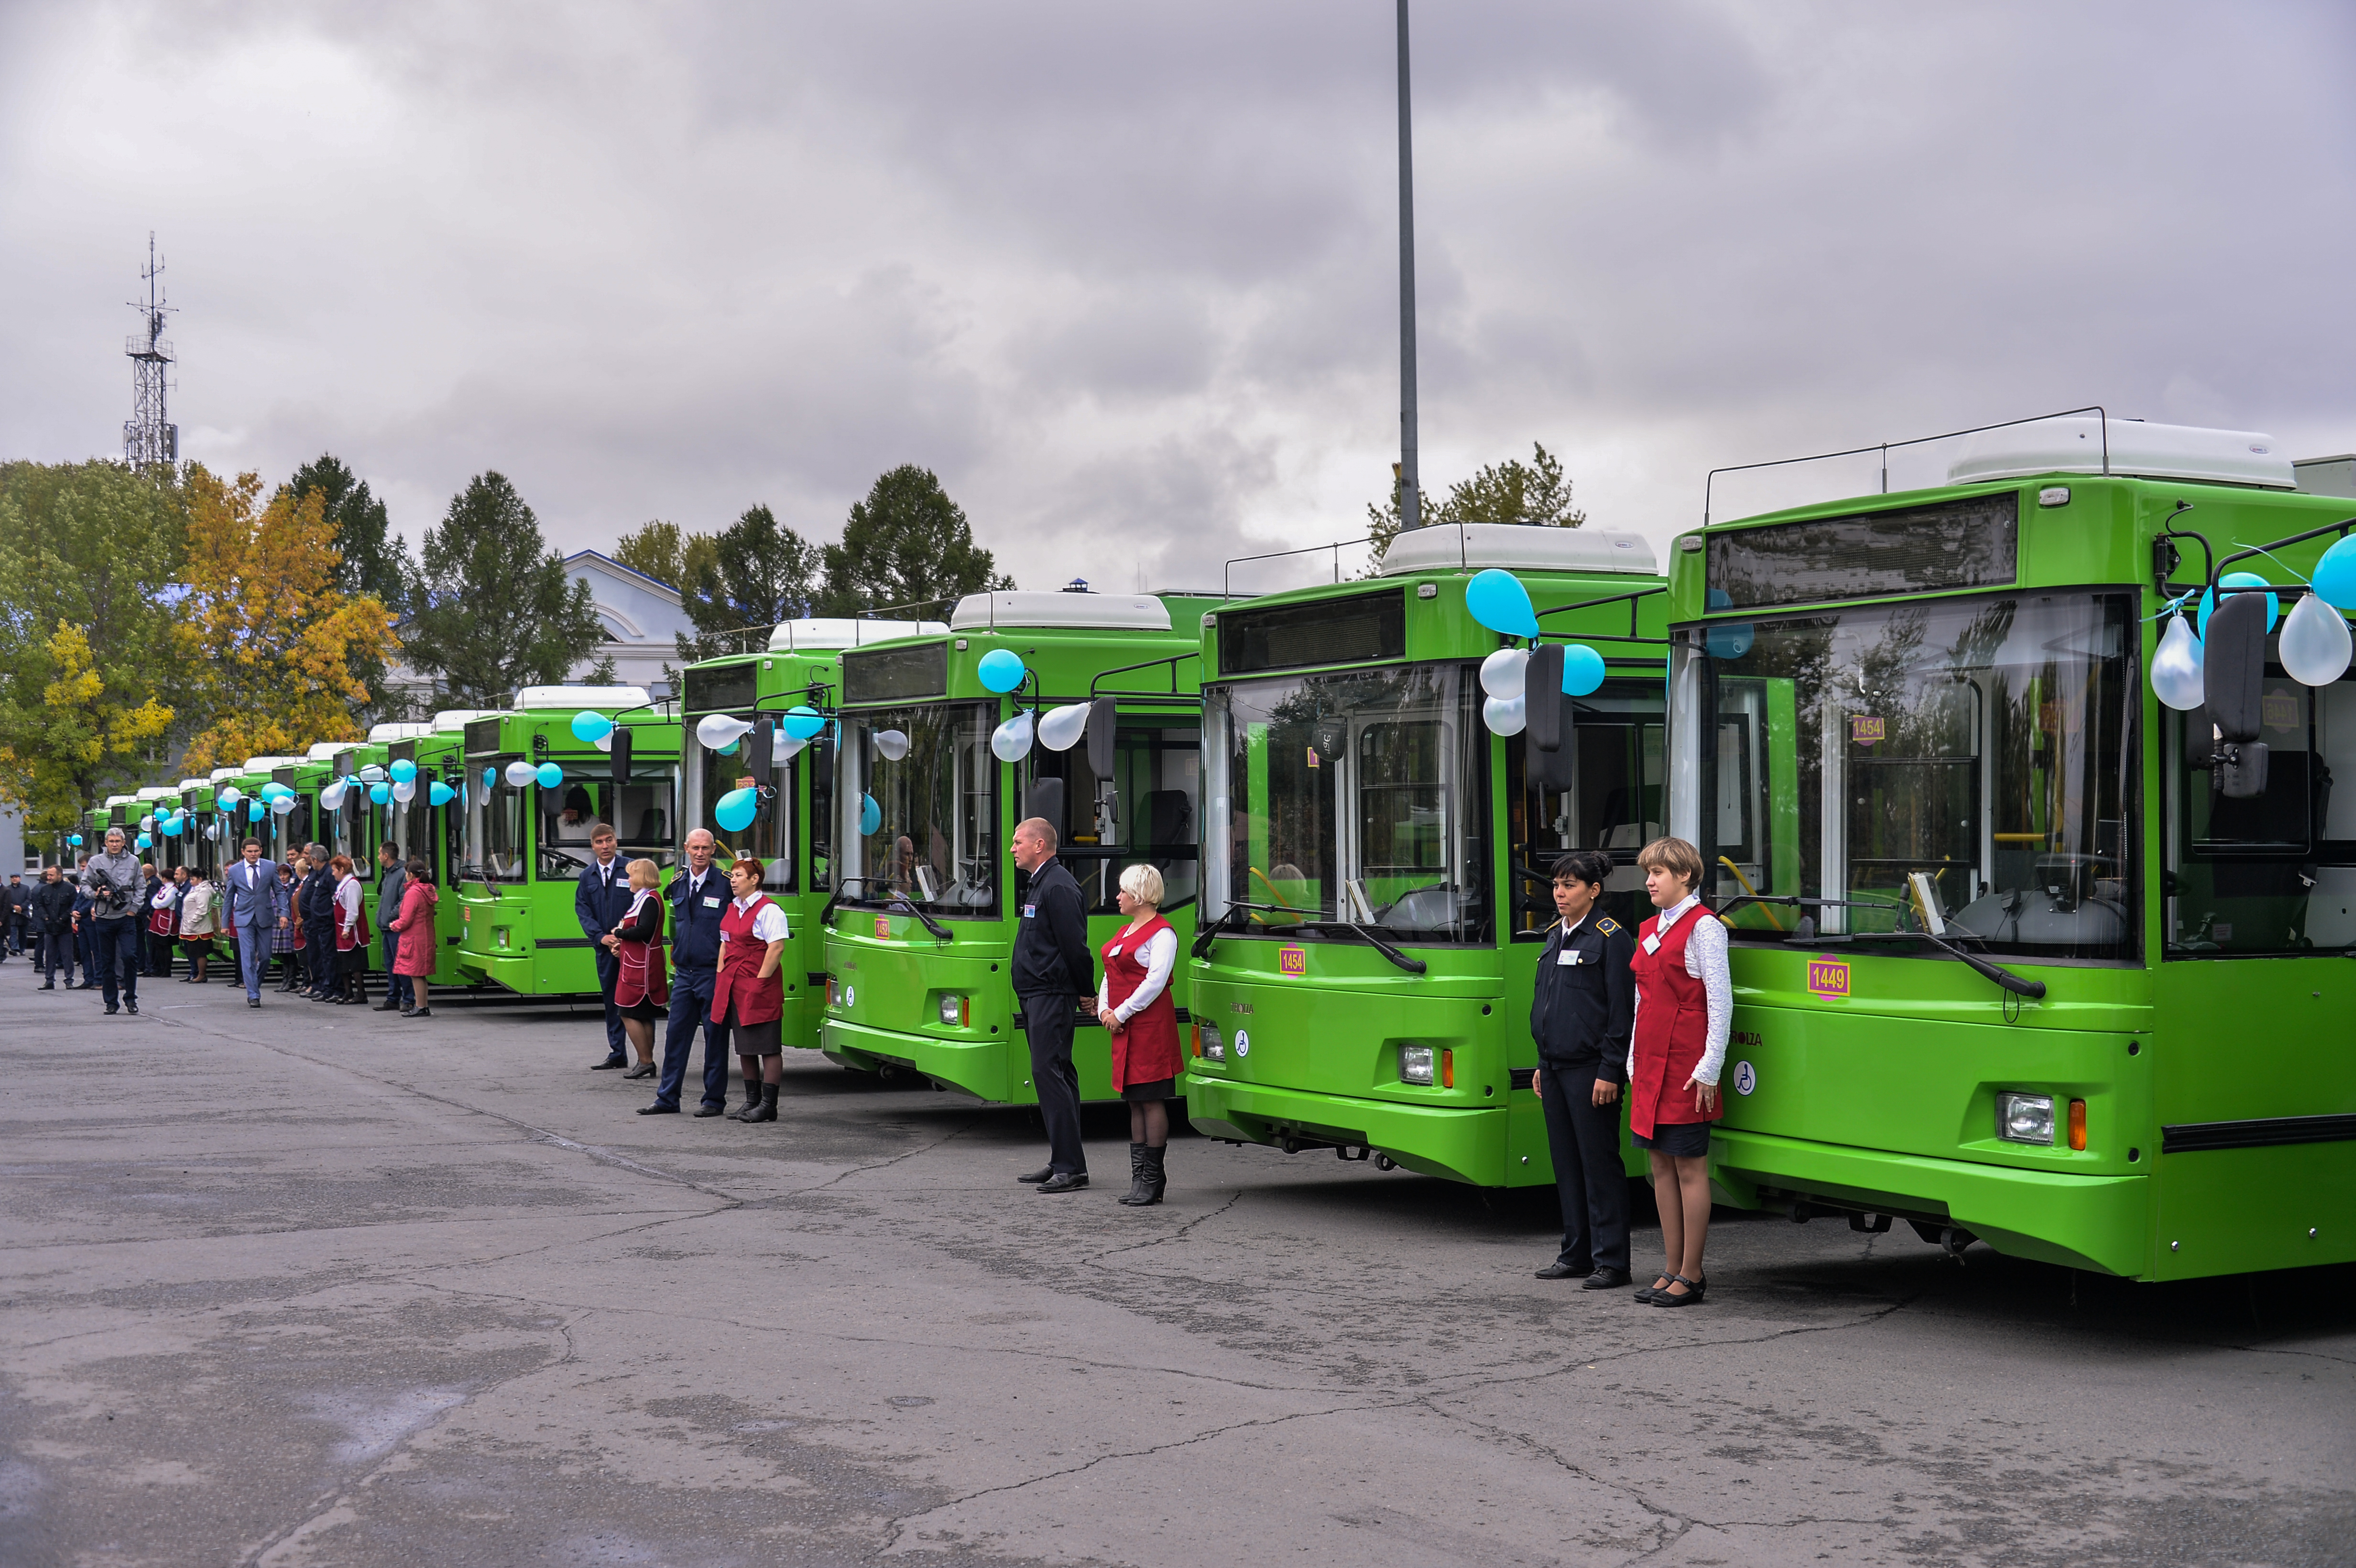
(1125, 274)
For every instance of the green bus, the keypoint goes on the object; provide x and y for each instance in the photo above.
(534, 790)
(2022, 952)
(429, 832)
(1375, 886)
(920, 929)
(791, 830)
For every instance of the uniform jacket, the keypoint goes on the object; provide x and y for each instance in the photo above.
(695, 922)
(603, 897)
(318, 899)
(1051, 941)
(1581, 1011)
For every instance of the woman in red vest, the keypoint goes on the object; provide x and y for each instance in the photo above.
(643, 988)
(748, 995)
(1133, 1004)
(1684, 1000)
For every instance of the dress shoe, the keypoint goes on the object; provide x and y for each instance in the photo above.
(1034, 1178)
(254, 1001)
(112, 1011)
(130, 1005)
(1071, 1181)
(1560, 1269)
(609, 1063)
(710, 1110)
(643, 1070)
(386, 1006)
(659, 1109)
(1607, 1279)
(418, 1013)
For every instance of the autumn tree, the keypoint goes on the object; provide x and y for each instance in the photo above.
(88, 554)
(372, 558)
(664, 551)
(494, 609)
(1535, 493)
(270, 646)
(907, 546)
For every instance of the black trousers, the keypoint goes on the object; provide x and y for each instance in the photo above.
(609, 975)
(1047, 1029)
(320, 955)
(1588, 1180)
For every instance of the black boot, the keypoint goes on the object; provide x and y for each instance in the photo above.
(763, 1109)
(1157, 1179)
(1137, 1197)
(745, 1113)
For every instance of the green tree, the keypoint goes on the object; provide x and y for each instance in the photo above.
(1535, 493)
(664, 551)
(90, 557)
(907, 545)
(756, 573)
(493, 609)
(376, 563)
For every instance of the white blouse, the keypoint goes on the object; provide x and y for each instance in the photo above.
(1706, 962)
(1160, 956)
(769, 925)
(348, 903)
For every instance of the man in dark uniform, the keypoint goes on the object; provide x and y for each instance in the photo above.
(316, 903)
(20, 911)
(1580, 1017)
(1053, 972)
(699, 898)
(53, 904)
(599, 903)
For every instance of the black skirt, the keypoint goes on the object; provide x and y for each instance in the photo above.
(1683, 1140)
(757, 1039)
(643, 1012)
(1160, 1089)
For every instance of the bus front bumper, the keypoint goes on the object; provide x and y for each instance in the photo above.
(1466, 1143)
(986, 1069)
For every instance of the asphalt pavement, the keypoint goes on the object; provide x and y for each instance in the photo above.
(318, 1285)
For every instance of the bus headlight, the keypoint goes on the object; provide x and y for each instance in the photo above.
(2025, 1118)
(956, 1011)
(1214, 1045)
(1416, 1063)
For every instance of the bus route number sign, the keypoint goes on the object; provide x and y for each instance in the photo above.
(883, 926)
(1828, 978)
(1292, 962)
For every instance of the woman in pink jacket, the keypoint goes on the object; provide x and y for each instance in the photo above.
(413, 956)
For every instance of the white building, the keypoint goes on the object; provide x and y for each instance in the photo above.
(640, 615)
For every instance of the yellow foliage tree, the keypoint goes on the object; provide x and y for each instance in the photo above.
(268, 642)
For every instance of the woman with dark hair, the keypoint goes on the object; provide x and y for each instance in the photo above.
(352, 935)
(748, 995)
(197, 925)
(415, 956)
(164, 919)
(286, 931)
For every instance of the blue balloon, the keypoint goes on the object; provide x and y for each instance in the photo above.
(736, 809)
(169, 828)
(381, 794)
(73, 838)
(802, 723)
(870, 816)
(255, 811)
(1498, 601)
(2335, 575)
(590, 726)
(439, 794)
(1000, 669)
(551, 775)
(490, 778)
(145, 842)
(2240, 580)
(404, 771)
(1582, 669)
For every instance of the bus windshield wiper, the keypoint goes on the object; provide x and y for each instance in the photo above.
(940, 932)
(1210, 934)
(2033, 989)
(1412, 966)
(840, 896)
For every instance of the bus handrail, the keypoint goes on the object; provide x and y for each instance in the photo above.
(1096, 684)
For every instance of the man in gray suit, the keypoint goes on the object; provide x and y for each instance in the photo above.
(247, 887)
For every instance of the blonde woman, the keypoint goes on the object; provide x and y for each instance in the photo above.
(642, 987)
(1134, 1003)
(197, 925)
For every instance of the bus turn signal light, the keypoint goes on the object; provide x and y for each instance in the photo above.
(1448, 1069)
(2077, 1126)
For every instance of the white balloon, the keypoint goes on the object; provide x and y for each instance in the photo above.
(282, 805)
(332, 798)
(2314, 646)
(1504, 716)
(1503, 672)
(372, 775)
(520, 773)
(405, 791)
(719, 729)
(1012, 739)
(1061, 727)
(148, 824)
(604, 742)
(891, 744)
(228, 796)
(2176, 676)
(784, 746)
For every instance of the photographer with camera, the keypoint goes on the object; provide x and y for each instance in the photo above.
(111, 879)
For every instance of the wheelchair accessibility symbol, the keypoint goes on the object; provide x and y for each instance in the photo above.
(1746, 1078)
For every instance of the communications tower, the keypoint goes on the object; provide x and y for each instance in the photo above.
(148, 436)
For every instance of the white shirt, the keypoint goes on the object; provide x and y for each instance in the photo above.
(1706, 962)
(1159, 955)
(348, 903)
(769, 925)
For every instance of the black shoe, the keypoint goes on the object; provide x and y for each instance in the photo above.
(386, 1006)
(130, 1005)
(1561, 1270)
(764, 1109)
(254, 1001)
(1154, 1181)
(49, 985)
(1064, 1182)
(1036, 1177)
(618, 1060)
(710, 1110)
(643, 1070)
(744, 1112)
(1648, 1292)
(418, 1013)
(1136, 1196)
(112, 1011)
(659, 1109)
(1606, 1279)
(1690, 1297)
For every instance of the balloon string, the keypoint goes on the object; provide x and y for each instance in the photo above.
(2171, 606)
(2276, 559)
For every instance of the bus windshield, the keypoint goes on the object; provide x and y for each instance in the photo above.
(1960, 766)
(919, 789)
(1351, 798)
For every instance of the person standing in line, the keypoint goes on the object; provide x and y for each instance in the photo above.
(414, 961)
(114, 884)
(20, 912)
(352, 935)
(200, 918)
(249, 892)
(286, 936)
(1052, 971)
(163, 921)
(748, 995)
(85, 930)
(392, 878)
(53, 905)
(148, 882)
(1134, 1006)
(317, 905)
(699, 896)
(643, 987)
(1581, 1014)
(1685, 1000)
(599, 902)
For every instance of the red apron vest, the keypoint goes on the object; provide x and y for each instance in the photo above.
(1672, 1030)
(1148, 1050)
(643, 977)
(357, 933)
(160, 920)
(738, 996)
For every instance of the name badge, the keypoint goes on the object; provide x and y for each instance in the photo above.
(1030, 911)
(1652, 944)
(712, 904)
(1570, 958)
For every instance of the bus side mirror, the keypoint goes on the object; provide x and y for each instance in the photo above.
(761, 750)
(1551, 752)
(1044, 798)
(1103, 717)
(2232, 664)
(621, 754)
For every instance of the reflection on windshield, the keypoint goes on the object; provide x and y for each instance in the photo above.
(1350, 798)
(1965, 762)
(1606, 795)
(768, 837)
(932, 836)
(494, 841)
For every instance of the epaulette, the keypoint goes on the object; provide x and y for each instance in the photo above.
(1607, 925)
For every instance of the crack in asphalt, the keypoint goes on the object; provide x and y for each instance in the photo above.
(1180, 1234)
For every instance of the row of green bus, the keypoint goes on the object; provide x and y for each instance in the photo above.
(2022, 952)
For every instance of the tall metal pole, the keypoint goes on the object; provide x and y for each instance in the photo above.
(1410, 495)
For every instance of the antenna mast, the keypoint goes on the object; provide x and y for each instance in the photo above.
(1410, 498)
(148, 436)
